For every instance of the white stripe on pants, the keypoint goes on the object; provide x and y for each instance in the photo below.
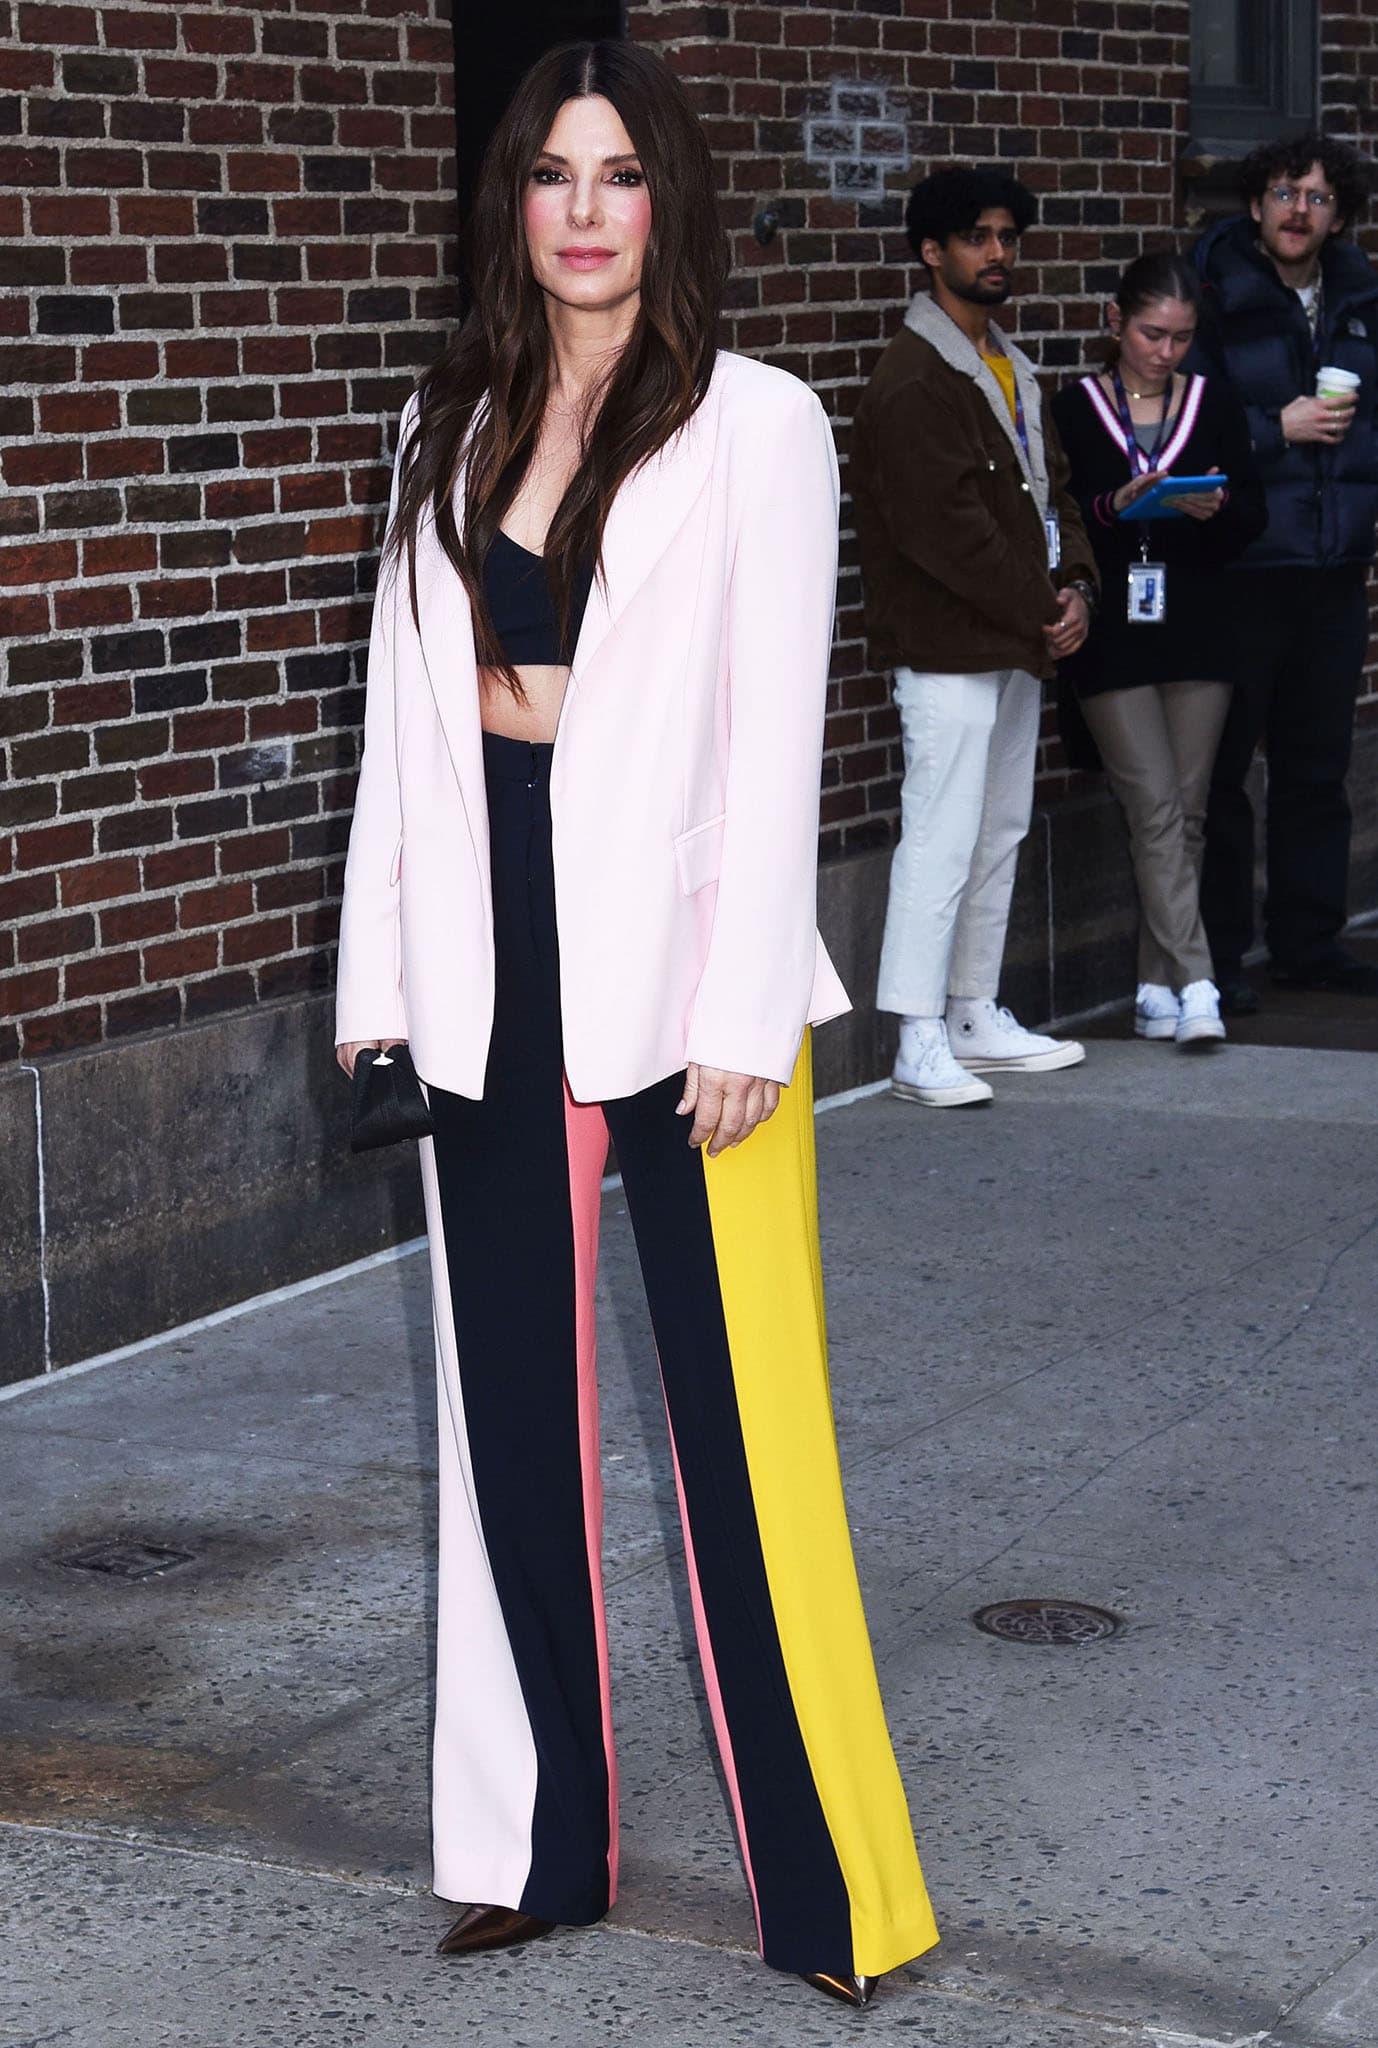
(969, 747)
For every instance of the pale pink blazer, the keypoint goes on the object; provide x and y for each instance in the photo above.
(684, 784)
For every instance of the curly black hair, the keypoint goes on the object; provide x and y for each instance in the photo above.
(1292, 157)
(951, 201)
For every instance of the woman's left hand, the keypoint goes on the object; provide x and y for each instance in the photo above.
(725, 1107)
(1202, 504)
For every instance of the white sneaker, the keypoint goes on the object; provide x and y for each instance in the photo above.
(926, 1072)
(1156, 1011)
(987, 1039)
(1198, 1022)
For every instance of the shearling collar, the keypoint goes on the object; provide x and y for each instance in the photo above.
(928, 320)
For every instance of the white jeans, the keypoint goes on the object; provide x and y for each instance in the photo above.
(969, 748)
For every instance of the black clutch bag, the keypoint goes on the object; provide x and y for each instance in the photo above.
(388, 1103)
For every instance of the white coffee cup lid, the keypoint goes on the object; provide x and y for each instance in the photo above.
(1339, 380)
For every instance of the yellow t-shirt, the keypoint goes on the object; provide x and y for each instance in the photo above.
(1004, 370)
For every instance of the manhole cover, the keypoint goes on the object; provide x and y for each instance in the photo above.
(1047, 1621)
(126, 1557)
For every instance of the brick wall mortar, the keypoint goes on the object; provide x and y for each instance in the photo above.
(1085, 99)
(227, 250)
(201, 370)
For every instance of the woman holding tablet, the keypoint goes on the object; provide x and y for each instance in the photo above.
(1155, 674)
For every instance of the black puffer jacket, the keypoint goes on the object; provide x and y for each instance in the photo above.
(1322, 502)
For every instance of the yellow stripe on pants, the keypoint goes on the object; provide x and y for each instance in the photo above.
(762, 1200)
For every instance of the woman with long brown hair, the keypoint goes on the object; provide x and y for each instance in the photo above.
(581, 885)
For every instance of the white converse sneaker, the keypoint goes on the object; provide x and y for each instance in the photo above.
(1198, 1022)
(1156, 1010)
(926, 1072)
(987, 1039)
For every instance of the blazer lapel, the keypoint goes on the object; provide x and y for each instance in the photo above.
(447, 655)
(646, 514)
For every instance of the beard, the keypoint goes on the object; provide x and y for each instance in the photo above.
(1299, 248)
(982, 291)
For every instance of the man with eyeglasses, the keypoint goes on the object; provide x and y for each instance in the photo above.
(1289, 295)
(978, 578)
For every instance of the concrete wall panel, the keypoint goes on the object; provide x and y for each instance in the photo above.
(195, 1169)
(21, 1275)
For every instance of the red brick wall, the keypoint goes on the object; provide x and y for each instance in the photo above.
(1349, 70)
(1085, 99)
(224, 257)
(224, 253)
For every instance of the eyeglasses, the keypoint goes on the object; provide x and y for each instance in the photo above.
(1288, 195)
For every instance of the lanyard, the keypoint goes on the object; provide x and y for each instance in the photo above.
(1021, 424)
(1139, 463)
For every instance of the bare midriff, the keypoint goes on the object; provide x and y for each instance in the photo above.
(534, 720)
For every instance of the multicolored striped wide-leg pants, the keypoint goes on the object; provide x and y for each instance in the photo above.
(525, 1800)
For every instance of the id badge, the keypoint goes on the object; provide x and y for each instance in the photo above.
(1147, 594)
(1054, 533)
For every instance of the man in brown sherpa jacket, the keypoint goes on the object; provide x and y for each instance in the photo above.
(978, 579)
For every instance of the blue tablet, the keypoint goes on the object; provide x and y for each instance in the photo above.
(1157, 503)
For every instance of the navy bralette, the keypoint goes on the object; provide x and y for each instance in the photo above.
(521, 607)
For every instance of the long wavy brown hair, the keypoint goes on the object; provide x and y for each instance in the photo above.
(482, 403)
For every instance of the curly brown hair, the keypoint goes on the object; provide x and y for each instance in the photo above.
(1293, 156)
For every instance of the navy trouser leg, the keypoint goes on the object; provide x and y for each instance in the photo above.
(1227, 868)
(1303, 635)
(1310, 740)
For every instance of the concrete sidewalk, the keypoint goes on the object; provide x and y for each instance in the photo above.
(1112, 1339)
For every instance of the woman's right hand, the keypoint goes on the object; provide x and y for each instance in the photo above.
(347, 1054)
(1202, 504)
(1129, 493)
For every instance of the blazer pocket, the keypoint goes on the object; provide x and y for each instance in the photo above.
(698, 855)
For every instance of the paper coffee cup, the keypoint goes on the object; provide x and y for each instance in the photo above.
(1336, 383)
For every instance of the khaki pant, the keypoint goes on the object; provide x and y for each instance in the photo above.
(1158, 744)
